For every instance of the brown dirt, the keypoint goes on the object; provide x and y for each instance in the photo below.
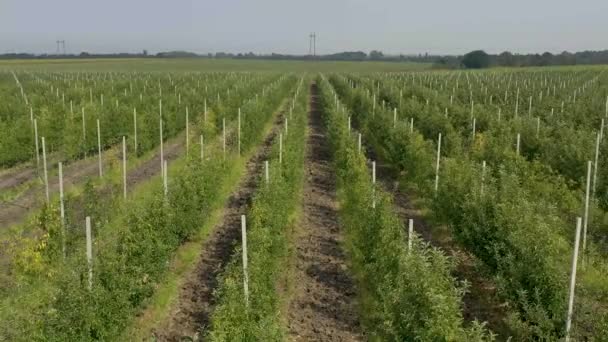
(15, 177)
(151, 167)
(324, 306)
(190, 316)
(481, 302)
(17, 210)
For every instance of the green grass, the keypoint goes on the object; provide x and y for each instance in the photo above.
(204, 64)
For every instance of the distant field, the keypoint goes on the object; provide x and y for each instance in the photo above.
(193, 64)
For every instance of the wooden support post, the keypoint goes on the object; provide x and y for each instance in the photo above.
(135, 130)
(586, 213)
(61, 208)
(224, 137)
(165, 179)
(89, 250)
(437, 164)
(280, 148)
(573, 279)
(187, 133)
(36, 145)
(99, 149)
(46, 175)
(245, 270)
(162, 156)
(124, 167)
(410, 235)
(202, 149)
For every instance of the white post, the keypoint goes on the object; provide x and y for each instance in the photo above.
(537, 126)
(245, 273)
(162, 157)
(349, 124)
(238, 124)
(499, 112)
(266, 172)
(61, 208)
(602, 129)
(437, 165)
(36, 144)
(483, 175)
(517, 102)
(412, 125)
(202, 149)
(280, 148)
(205, 113)
(472, 108)
(286, 126)
(586, 217)
(99, 149)
(573, 279)
(124, 167)
(46, 175)
(165, 185)
(373, 172)
(374, 184)
(359, 143)
(84, 131)
(410, 235)
(474, 122)
(224, 137)
(394, 118)
(597, 155)
(187, 133)
(518, 141)
(89, 250)
(135, 130)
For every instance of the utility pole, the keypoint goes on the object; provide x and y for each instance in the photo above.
(310, 44)
(60, 47)
(314, 44)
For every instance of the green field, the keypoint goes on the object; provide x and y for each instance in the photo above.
(331, 164)
(203, 64)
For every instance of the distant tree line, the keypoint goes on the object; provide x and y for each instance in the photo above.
(480, 59)
(474, 59)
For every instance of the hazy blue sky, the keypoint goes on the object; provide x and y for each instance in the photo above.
(282, 26)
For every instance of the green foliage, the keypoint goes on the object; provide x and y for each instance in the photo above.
(269, 223)
(521, 226)
(132, 248)
(408, 295)
(476, 59)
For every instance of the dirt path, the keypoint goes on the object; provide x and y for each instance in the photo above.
(481, 302)
(15, 177)
(323, 307)
(17, 210)
(191, 315)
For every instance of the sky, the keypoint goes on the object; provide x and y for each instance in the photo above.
(283, 26)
